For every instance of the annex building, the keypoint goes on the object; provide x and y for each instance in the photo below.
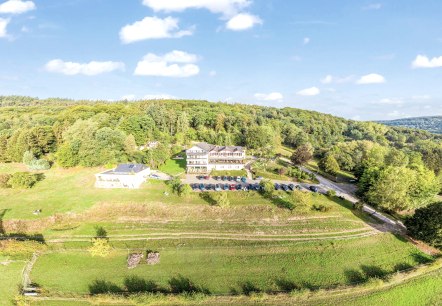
(123, 176)
(204, 157)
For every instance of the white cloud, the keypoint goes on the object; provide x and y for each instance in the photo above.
(91, 68)
(330, 79)
(243, 21)
(16, 7)
(390, 101)
(312, 91)
(273, 96)
(422, 61)
(372, 78)
(167, 65)
(373, 6)
(225, 7)
(152, 28)
(3, 25)
(159, 97)
(306, 40)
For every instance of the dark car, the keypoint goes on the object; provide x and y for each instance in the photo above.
(292, 186)
(232, 187)
(258, 187)
(277, 186)
(194, 186)
(201, 186)
(229, 178)
(208, 186)
(224, 178)
(250, 187)
(285, 187)
(216, 178)
(238, 186)
(313, 188)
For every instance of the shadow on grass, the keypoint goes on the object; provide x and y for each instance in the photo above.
(286, 285)
(248, 288)
(180, 284)
(102, 287)
(135, 284)
(206, 196)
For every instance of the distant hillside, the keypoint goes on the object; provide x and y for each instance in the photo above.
(430, 124)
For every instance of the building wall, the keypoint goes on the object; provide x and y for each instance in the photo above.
(130, 181)
(199, 161)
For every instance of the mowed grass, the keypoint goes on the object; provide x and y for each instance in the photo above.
(10, 279)
(232, 265)
(174, 167)
(423, 290)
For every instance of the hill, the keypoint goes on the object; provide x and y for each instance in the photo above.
(431, 124)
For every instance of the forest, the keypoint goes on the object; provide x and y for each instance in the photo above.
(431, 124)
(397, 168)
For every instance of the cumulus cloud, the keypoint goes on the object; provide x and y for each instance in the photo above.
(177, 64)
(306, 41)
(423, 61)
(152, 28)
(312, 91)
(273, 96)
(91, 68)
(372, 78)
(3, 25)
(243, 21)
(330, 79)
(225, 7)
(16, 7)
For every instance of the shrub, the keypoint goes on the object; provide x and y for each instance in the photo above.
(301, 200)
(426, 224)
(4, 178)
(331, 193)
(22, 180)
(39, 164)
(100, 247)
(184, 190)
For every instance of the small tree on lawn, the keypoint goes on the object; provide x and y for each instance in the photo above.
(267, 187)
(302, 200)
(222, 200)
(184, 190)
(302, 154)
(331, 193)
(22, 180)
(100, 247)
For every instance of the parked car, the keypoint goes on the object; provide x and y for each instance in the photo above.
(216, 178)
(155, 176)
(292, 186)
(226, 186)
(232, 187)
(238, 179)
(208, 186)
(224, 178)
(284, 187)
(201, 186)
(243, 179)
(194, 186)
(313, 188)
(206, 177)
(257, 187)
(217, 187)
(238, 186)
(277, 186)
(230, 178)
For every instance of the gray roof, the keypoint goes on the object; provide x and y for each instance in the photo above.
(127, 169)
(213, 148)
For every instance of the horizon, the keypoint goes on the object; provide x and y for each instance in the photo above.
(365, 60)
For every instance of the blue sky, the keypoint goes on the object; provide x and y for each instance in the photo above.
(363, 60)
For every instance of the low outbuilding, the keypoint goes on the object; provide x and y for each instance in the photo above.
(123, 176)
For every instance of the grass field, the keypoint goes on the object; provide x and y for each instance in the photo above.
(174, 167)
(234, 265)
(10, 278)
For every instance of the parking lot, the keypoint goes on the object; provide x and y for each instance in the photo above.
(230, 183)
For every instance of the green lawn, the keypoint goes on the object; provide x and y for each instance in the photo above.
(231, 265)
(174, 167)
(10, 279)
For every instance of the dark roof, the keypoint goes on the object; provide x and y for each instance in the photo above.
(212, 148)
(127, 169)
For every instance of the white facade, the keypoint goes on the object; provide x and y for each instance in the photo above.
(124, 176)
(203, 158)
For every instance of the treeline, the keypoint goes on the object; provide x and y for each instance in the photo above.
(91, 133)
(432, 124)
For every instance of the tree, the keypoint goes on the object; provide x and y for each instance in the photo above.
(184, 190)
(329, 164)
(302, 154)
(22, 180)
(301, 200)
(100, 247)
(221, 199)
(426, 224)
(267, 187)
(67, 154)
(28, 157)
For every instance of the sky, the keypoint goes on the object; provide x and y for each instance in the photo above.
(362, 60)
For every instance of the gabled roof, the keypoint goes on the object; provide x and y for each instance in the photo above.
(213, 148)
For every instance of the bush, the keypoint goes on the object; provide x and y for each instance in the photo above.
(184, 190)
(39, 164)
(426, 224)
(23, 180)
(100, 247)
(4, 178)
(331, 193)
